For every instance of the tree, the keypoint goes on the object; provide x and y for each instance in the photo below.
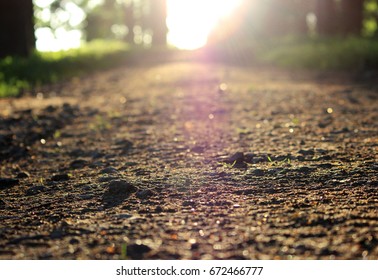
(16, 27)
(327, 18)
(129, 22)
(102, 18)
(352, 16)
(158, 17)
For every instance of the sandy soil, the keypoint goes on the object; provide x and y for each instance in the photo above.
(191, 161)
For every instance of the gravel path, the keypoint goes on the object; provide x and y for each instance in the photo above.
(191, 161)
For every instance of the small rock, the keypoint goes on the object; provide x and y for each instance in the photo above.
(35, 190)
(143, 194)
(107, 178)
(321, 151)
(326, 157)
(97, 164)
(74, 241)
(124, 146)
(124, 216)
(23, 175)
(5, 139)
(8, 183)
(96, 154)
(109, 170)
(78, 163)
(245, 191)
(236, 158)
(51, 109)
(189, 203)
(197, 149)
(194, 246)
(85, 196)
(60, 177)
(119, 187)
(305, 170)
(159, 209)
(300, 158)
(124, 143)
(60, 231)
(258, 172)
(310, 152)
(136, 251)
(77, 153)
(325, 165)
(249, 157)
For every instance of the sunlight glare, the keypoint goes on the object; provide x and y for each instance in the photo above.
(190, 21)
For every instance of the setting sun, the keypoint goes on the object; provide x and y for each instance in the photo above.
(190, 21)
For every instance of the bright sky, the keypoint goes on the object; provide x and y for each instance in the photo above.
(189, 23)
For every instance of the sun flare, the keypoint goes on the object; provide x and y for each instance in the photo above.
(190, 21)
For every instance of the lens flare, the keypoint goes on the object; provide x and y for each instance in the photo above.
(190, 21)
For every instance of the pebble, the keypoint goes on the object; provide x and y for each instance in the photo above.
(310, 152)
(249, 157)
(305, 170)
(97, 164)
(245, 191)
(136, 251)
(130, 163)
(124, 146)
(78, 163)
(188, 203)
(258, 172)
(197, 149)
(86, 196)
(23, 175)
(159, 209)
(325, 165)
(74, 241)
(8, 183)
(60, 177)
(5, 139)
(237, 157)
(35, 190)
(107, 178)
(143, 194)
(109, 170)
(124, 216)
(60, 231)
(117, 187)
(124, 143)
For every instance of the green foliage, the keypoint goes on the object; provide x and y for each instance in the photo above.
(18, 74)
(324, 54)
(124, 251)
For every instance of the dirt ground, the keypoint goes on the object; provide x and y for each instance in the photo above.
(188, 160)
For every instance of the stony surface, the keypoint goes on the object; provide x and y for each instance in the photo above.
(191, 161)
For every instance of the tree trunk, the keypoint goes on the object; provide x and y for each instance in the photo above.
(326, 14)
(158, 20)
(352, 16)
(16, 27)
(130, 22)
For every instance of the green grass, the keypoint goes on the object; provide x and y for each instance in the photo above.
(18, 74)
(321, 54)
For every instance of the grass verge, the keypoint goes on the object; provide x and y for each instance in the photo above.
(322, 54)
(19, 74)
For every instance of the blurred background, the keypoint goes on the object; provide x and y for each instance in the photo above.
(320, 34)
